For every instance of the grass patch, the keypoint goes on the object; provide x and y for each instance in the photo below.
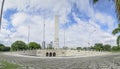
(115, 51)
(7, 65)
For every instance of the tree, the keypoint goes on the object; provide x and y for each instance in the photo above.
(92, 48)
(107, 47)
(19, 45)
(85, 48)
(1, 47)
(117, 6)
(78, 48)
(34, 45)
(115, 48)
(116, 31)
(98, 47)
(101, 47)
(1, 12)
(95, 1)
(4, 48)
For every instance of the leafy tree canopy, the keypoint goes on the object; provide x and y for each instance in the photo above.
(34, 45)
(79, 48)
(19, 45)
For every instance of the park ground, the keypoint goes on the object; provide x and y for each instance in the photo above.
(93, 62)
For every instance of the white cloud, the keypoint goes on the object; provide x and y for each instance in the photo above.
(105, 19)
(88, 33)
(20, 19)
(81, 33)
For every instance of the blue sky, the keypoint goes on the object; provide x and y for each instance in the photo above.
(78, 18)
(102, 6)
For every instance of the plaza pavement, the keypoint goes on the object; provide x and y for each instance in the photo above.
(90, 62)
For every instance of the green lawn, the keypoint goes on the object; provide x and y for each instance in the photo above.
(6, 65)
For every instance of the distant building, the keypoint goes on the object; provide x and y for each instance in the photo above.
(43, 45)
(50, 45)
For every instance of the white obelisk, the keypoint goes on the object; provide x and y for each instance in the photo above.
(56, 39)
(44, 43)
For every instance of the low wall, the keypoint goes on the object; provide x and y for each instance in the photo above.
(44, 52)
(26, 52)
(71, 53)
(84, 53)
(60, 53)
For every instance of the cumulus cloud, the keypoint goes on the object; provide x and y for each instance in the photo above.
(32, 13)
(87, 33)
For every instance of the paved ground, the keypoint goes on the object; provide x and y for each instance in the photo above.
(101, 62)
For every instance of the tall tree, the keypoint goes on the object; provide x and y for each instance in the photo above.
(1, 12)
(116, 31)
(19, 45)
(94, 1)
(117, 6)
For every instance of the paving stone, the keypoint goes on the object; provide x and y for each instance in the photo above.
(99, 62)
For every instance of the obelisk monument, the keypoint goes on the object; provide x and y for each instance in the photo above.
(56, 36)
